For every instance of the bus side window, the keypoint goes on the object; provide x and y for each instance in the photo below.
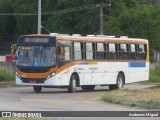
(77, 51)
(123, 54)
(100, 51)
(133, 55)
(141, 52)
(89, 51)
(66, 55)
(112, 51)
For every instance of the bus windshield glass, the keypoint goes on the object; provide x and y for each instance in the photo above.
(36, 56)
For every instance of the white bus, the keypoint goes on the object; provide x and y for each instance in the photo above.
(80, 61)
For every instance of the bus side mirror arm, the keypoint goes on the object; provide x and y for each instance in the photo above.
(15, 57)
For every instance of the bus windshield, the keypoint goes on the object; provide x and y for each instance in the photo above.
(36, 56)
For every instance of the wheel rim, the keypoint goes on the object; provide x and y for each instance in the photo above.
(120, 82)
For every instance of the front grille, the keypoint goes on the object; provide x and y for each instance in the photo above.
(27, 80)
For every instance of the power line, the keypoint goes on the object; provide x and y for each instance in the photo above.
(56, 11)
(18, 14)
(72, 9)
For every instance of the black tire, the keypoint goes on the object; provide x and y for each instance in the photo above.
(37, 89)
(88, 87)
(72, 86)
(119, 84)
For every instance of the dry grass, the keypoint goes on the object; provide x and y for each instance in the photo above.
(7, 84)
(146, 98)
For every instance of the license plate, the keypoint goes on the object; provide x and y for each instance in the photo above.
(32, 81)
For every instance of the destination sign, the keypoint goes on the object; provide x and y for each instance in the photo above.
(37, 40)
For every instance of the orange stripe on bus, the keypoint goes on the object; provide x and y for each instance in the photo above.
(70, 64)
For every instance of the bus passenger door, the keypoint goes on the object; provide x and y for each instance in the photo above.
(63, 59)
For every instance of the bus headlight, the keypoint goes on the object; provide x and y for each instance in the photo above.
(51, 75)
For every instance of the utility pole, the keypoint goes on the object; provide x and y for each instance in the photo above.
(101, 18)
(39, 17)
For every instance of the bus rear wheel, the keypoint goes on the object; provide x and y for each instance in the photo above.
(72, 86)
(119, 84)
(88, 87)
(37, 89)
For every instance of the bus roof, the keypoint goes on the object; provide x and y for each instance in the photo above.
(102, 39)
(93, 38)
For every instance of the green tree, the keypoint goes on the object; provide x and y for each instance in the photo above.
(7, 23)
(71, 19)
(26, 24)
(142, 21)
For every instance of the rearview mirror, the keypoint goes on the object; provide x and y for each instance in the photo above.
(61, 50)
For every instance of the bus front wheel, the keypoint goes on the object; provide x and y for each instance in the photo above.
(72, 86)
(37, 89)
(119, 84)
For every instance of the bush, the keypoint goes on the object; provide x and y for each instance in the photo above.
(6, 76)
(155, 75)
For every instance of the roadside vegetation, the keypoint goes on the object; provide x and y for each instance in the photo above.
(6, 76)
(154, 75)
(145, 98)
(7, 79)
